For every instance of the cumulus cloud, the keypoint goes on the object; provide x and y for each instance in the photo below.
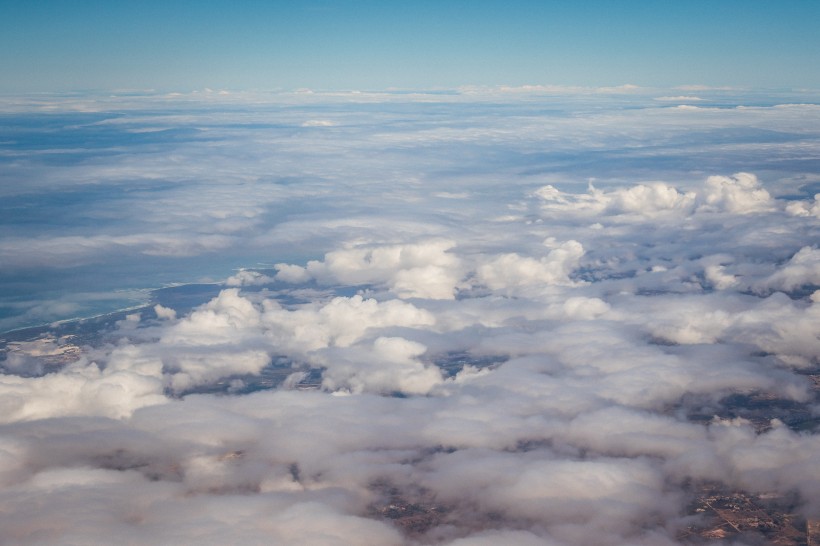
(164, 312)
(225, 319)
(116, 390)
(341, 322)
(803, 269)
(423, 270)
(249, 278)
(511, 271)
(389, 365)
(803, 208)
(741, 193)
(643, 200)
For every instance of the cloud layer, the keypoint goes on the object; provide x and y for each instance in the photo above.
(549, 361)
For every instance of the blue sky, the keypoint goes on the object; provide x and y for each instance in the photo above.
(363, 44)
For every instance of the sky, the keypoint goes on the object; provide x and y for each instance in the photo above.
(359, 44)
(428, 274)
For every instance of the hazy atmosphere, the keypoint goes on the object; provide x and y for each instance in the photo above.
(452, 273)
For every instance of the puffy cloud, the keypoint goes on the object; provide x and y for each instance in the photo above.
(341, 322)
(774, 324)
(390, 365)
(648, 199)
(644, 200)
(803, 269)
(233, 336)
(803, 208)
(420, 270)
(190, 370)
(163, 312)
(509, 272)
(225, 319)
(741, 193)
(248, 278)
(85, 389)
(716, 276)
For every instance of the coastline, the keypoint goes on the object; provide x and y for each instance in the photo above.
(180, 297)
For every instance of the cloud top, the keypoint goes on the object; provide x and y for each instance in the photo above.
(451, 336)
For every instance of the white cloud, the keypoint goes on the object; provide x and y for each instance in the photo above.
(341, 322)
(163, 312)
(420, 270)
(389, 365)
(509, 272)
(225, 319)
(741, 193)
(803, 269)
(84, 389)
(245, 277)
(803, 208)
